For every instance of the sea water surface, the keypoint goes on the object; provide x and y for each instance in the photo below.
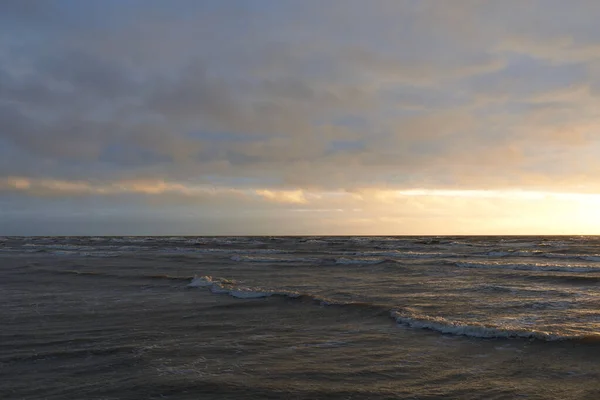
(300, 317)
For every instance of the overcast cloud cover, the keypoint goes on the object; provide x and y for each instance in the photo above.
(299, 117)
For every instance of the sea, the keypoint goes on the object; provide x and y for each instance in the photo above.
(300, 317)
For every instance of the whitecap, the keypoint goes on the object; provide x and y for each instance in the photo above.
(202, 281)
(442, 325)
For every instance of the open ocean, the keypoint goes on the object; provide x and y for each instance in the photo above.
(300, 318)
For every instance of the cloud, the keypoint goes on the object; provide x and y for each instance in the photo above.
(274, 102)
(65, 188)
(284, 196)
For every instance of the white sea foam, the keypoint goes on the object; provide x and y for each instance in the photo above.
(99, 253)
(239, 293)
(130, 239)
(202, 281)
(218, 289)
(224, 241)
(315, 241)
(362, 239)
(443, 325)
(223, 286)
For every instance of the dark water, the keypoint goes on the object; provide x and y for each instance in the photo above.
(300, 318)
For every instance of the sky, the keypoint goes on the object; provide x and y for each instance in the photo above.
(294, 117)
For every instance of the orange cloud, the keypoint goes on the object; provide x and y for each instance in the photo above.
(283, 196)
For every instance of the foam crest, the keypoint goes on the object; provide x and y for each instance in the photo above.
(403, 317)
(238, 293)
(476, 330)
(202, 281)
(224, 286)
(315, 241)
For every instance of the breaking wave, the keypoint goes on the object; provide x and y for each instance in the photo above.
(477, 330)
(402, 317)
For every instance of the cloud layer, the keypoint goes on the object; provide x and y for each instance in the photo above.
(272, 104)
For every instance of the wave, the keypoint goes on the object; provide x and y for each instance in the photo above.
(527, 266)
(165, 277)
(359, 260)
(64, 247)
(512, 253)
(494, 289)
(402, 317)
(131, 239)
(229, 287)
(99, 274)
(221, 240)
(315, 241)
(65, 253)
(101, 254)
(537, 290)
(225, 286)
(565, 279)
(205, 281)
(202, 281)
(118, 251)
(258, 259)
(477, 330)
(74, 272)
(183, 250)
(590, 258)
(542, 254)
(489, 254)
(402, 254)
